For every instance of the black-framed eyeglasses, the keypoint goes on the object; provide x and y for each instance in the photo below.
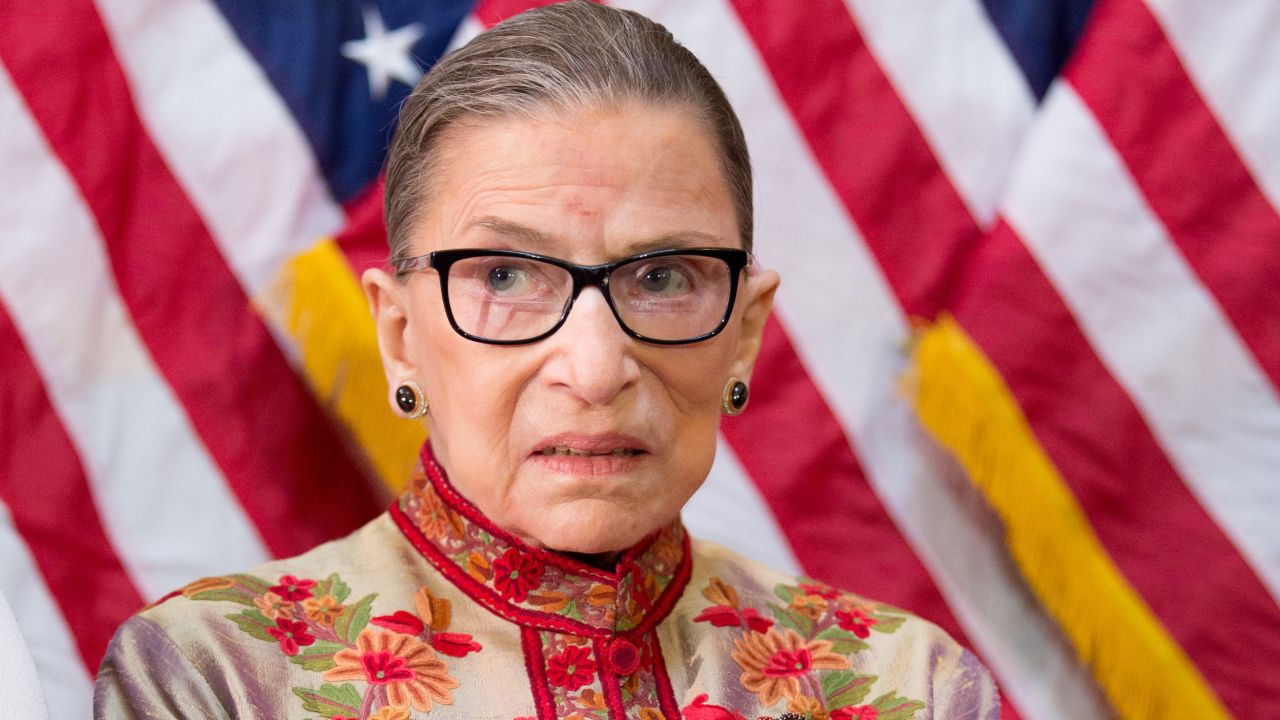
(507, 297)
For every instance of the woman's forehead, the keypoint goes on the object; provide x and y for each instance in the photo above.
(617, 182)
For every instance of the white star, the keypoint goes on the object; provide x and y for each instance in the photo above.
(386, 55)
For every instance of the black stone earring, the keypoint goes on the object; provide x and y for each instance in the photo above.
(734, 399)
(410, 402)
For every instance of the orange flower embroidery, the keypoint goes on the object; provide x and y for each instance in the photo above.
(433, 516)
(405, 665)
(274, 606)
(811, 606)
(772, 662)
(322, 610)
(391, 712)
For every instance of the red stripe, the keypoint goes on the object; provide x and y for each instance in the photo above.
(1128, 73)
(608, 681)
(535, 665)
(809, 475)
(666, 694)
(44, 485)
(262, 426)
(1190, 574)
(867, 144)
(492, 12)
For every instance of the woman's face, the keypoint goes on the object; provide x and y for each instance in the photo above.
(588, 187)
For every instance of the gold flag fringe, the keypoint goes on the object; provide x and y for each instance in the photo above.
(318, 301)
(962, 401)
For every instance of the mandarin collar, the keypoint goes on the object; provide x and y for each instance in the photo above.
(534, 587)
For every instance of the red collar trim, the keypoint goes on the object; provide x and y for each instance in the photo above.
(534, 587)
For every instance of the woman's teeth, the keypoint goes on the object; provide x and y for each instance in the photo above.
(563, 450)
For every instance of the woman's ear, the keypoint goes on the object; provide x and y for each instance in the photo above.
(757, 298)
(387, 303)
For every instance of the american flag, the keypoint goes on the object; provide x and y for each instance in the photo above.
(1023, 375)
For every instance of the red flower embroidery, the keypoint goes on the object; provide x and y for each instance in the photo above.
(860, 712)
(755, 621)
(699, 709)
(856, 621)
(788, 663)
(454, 644)
(292, 634)
(293, 589)
(820, 589)
(572, 668)
(385, 667)
(719, 616)
(515, 574)
(399, 621)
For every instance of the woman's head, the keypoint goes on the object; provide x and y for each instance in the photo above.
(585, 134)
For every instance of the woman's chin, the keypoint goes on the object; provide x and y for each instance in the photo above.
(588, 527)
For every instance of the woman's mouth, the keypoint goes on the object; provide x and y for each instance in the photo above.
(590, 454)
(574, 452)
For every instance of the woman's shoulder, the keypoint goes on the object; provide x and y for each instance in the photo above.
(846, 638)
(233, 638)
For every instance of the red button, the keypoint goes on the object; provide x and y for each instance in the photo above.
(624, 657)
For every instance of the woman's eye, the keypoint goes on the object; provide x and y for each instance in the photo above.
(506, 279)
(664, 280)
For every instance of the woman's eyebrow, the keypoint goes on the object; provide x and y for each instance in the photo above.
(527, 238)
(520, 235)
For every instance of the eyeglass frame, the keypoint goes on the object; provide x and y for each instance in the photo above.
(583, 276)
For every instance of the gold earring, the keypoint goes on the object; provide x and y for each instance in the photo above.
(410, 402)
(734, 398)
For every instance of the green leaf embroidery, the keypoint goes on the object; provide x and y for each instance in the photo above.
(334, 586)
(890, 706)
(785, 592)
(330, 700)
(841, 688)
(887, 623)
(257, 586)
(794, 621)
(254, 623)
(842, 641)
(354, 619)
(318, 656)
(235, 595)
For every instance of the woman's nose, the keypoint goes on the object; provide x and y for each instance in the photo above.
(592, 357)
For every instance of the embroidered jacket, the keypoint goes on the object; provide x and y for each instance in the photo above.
(432, 611)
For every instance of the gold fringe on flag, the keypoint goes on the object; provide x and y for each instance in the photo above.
(965, 405)
(318, 302)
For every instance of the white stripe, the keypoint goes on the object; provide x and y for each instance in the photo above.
(729, 510)
(53, 650)
(1232, 53)
(225, 133)
(467, 29)
(1154, 325)
(164, 505)
(960, 83)
(850, 333)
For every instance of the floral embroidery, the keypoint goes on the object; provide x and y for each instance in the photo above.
(774, 663)
(373, 667)
(572, 668)
(515, 574)
(291, 588)
(292, 635)
(530, 580)
(404, 666)
(799, 652)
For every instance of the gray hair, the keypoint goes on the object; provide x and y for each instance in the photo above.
(567, 56)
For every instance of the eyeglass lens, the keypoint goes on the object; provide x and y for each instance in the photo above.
(670, 298)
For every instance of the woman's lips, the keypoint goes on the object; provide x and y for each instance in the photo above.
(590, 455)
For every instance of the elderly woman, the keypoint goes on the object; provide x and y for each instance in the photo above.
(572, 307)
